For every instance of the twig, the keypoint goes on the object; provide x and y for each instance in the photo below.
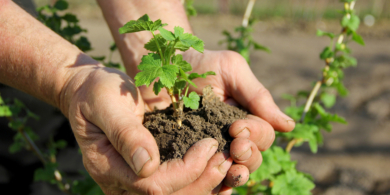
(248, 12)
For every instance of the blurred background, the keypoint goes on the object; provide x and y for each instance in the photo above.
(355, 158)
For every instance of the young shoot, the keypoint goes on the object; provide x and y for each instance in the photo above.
(165, 65)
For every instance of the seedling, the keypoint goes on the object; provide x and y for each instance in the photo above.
(164, 64)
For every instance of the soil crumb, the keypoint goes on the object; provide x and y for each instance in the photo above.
(211, 120)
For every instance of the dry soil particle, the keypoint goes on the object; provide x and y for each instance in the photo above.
(212, 119)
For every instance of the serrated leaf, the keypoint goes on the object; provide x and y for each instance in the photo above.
(168, 75)
(292, 183)
(46, 173)
(323, 33)
(150, 67)
(294, 112)
(268, 167)
(152, 45)
(157, 87)
(261, 47)
(142, 24)
(178, 61)
(192, 101)
(83, 44)
(167, 35)
(188, 40)
(328, 99)
(357, 38)
(113, 46)
(193, 76)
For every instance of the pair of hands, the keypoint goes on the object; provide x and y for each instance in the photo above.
(106, 111)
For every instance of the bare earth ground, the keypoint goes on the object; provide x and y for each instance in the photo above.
(355, 157)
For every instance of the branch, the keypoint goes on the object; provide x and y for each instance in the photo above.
(248, 12)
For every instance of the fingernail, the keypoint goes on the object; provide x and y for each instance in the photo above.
(140, 157)
(288, 119)
(212, 151)
(247, 154)
(226, 164)
(245, 133)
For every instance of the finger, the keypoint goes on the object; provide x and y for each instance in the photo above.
(237, 175)
(177, 174)
(245, 152)
(251, 94)
(118, 113)
(254, 128)
(226, 191)
(211, 177)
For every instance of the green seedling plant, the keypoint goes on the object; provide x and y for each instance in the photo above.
(164, 64)
(244, 42)
(278, 174)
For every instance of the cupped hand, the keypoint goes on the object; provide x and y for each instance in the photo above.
(106, 111)
(235, 84)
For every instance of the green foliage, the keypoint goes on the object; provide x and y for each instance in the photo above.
(192, 101)
(162, 64)
(190, 10)
(244, 42)
(277, 168)
(86, 186)
(70, 31)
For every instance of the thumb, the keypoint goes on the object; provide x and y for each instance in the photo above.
(250, 93)
(125, 132)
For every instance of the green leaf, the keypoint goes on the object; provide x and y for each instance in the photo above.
(46, 173)
(167, 35)
(180, 84)
(341, 89)
(352, 22)
(61, 5)
(142, 24)
(326, 53)
(70, 18)
(268, 167)
(292, 183)
(99, 58)
(83, 44)
(294, 112)
(357, 38)
(113, 46)
(16, 147)
(322, 33)
(192, 101)
(157, 87)
(152, 46)
(86, 186)
(178, 61)
(193, 76)
(328, 99)
(188, 40)
(184, 76)
(60, 144)
(150, 67)
(261, 47)
(5, 111)
(168, 75)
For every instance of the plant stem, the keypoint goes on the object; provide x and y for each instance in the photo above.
(177, 107)
(32, 145)
(248, 12)
(317, 86)
(313, 93)
(291, 144)
(158, 47)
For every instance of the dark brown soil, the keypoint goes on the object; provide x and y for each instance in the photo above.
(212, 119)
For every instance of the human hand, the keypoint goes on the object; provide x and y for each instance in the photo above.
(106, 111)
(235, 84)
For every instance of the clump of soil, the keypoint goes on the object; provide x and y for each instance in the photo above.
(212, 119)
